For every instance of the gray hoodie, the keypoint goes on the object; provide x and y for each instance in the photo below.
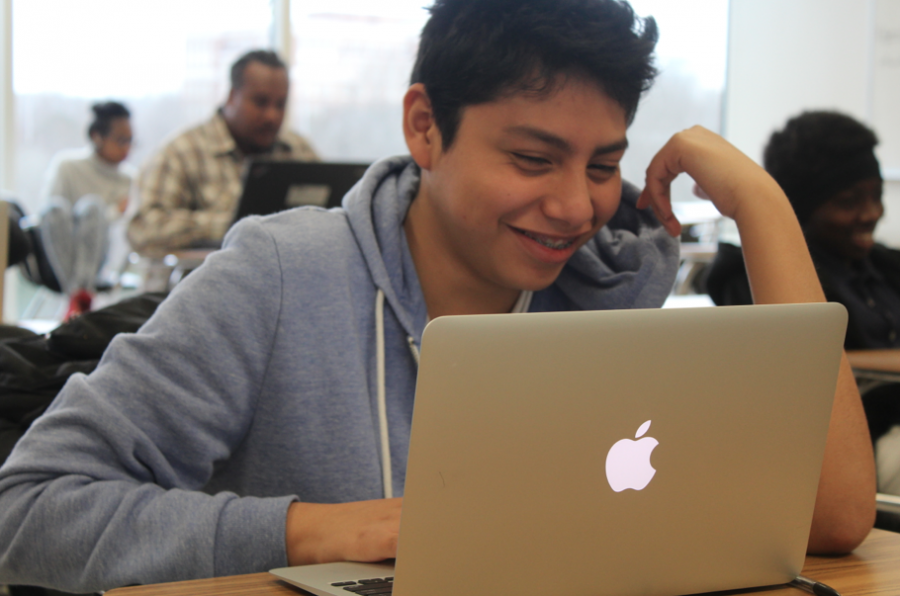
(254, 385)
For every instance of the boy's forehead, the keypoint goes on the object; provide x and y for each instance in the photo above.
(548, 138)
(542, 90)
(538, 86)
(533, 112)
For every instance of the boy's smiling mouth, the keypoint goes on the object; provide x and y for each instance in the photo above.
(548, 241)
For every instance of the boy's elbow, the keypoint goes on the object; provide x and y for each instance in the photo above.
(843, 532)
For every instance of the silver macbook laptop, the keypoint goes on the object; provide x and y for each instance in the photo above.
(644, 452)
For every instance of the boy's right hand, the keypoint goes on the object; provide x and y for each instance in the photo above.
(726, 176)
(364, 531)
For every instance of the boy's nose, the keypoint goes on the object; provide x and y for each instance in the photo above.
(570, 202)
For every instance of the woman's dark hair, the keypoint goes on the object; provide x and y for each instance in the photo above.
(818, 154)
(104, 114)
(266, 57)
(473, 52)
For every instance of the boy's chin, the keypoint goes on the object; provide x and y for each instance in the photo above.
(536, 283)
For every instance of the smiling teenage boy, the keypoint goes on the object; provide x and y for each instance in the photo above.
(241, 428)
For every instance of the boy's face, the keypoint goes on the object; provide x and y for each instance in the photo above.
(527, 181)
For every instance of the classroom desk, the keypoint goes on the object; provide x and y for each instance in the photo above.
(867, 362)
(873, 569)
(693, 257)
(874, 368)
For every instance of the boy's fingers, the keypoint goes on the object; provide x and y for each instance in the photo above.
(668, 220)
(700, 193)
(656, 196)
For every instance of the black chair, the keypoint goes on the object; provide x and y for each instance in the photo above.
(26, 249)
(888, 512)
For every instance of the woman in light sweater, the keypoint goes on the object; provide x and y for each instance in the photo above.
(85, 195)
(97, 169)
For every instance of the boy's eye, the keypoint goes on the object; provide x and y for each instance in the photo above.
(531, 161)
(602, 171)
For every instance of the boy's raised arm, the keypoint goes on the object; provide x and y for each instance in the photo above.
(780, 271)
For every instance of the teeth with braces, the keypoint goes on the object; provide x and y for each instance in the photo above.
(554, 244)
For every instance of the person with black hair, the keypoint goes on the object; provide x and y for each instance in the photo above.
(187, 193)
(826, 164)
(261, 417)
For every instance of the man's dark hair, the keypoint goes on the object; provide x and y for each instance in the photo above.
(267, 57)
(475, 51)
(818, 154)
(104, 114)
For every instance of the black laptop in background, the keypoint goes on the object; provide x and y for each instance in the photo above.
(275, 185)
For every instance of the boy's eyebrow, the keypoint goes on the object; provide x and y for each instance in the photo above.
(562, 144)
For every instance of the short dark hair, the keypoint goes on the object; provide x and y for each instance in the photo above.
(818, 154)
(104, 113)
(267, 57)
(473, 52)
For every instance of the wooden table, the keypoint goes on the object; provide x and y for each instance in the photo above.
(874, 368)
(868, 362)
(873, 569)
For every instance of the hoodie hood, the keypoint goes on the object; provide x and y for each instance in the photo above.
(376, 207)
(630, 263)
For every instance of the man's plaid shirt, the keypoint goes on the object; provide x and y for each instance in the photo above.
(187, 193)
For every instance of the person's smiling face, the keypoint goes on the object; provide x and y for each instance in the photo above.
(526, 182)
(845, 224)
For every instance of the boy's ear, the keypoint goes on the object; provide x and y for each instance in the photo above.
(423, 138)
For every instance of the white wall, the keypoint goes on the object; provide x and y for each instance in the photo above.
(786, 56)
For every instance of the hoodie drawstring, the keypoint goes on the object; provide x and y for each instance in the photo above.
(386, 474)
(413, 349)
(387, 478)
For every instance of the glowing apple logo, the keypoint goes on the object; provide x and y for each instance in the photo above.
(628, 462)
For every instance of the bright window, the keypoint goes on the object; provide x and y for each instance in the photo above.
(691, 57)
(167, 60)
(352, 61)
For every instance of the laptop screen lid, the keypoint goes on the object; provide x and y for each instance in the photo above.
(515, 482)
(272, 185)
(515, 416)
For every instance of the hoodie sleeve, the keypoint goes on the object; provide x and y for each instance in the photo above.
(105, 489)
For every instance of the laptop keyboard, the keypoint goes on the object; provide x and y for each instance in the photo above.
(375, 585)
